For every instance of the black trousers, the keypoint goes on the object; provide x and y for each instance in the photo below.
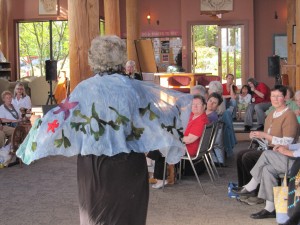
(159, 164)
(293, 212)
(113, 190)
(245, 161)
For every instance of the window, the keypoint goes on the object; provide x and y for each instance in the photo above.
(34, 46)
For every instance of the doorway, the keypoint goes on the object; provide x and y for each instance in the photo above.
(218, 50)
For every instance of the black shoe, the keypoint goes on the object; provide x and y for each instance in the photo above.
(247, 128)
(260, 128)
(263, 214)
(243, 192)
(237, 188)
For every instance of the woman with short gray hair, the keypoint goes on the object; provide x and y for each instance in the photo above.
(110, 121)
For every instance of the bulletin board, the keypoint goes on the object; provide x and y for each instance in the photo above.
(145, 54)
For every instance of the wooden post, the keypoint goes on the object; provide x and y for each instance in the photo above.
(297, 44)
(133, 28)
(290, 69)
(112, 17)
(83, 16)
(4, 28)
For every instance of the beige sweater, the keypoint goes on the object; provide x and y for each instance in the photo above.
(285, 125)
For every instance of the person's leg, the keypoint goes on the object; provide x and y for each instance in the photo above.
(8, 131)
(249, 160)
(159, 164)
(239, 165)
(2, 138)
(293, 212)
(233, 103)
(248, 120)
(260, 109)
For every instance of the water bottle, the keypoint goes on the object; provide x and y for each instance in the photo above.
(1, 162)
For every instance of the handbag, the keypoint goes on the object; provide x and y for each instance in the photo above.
(281, 201)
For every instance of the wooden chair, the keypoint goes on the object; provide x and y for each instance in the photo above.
(18, 136)
(204, 80)
(285, 79)
(180, 83)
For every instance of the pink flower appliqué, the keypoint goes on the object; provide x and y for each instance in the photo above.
(65, 107)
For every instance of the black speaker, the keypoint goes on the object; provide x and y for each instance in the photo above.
(51, 70)
(274, 66)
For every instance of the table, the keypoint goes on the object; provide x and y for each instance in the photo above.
(163, 77)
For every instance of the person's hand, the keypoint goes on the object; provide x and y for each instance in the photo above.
(257, 134)
(297, 112)
(283, 149)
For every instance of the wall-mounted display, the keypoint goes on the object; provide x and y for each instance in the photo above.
(280, 45)
(48, 7)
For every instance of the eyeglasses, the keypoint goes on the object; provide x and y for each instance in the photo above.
(20, 89)
(277, 96)
(197, 104)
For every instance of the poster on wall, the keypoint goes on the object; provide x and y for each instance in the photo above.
(165, 47)
(216, 5)
(48, 7)
(280, 45)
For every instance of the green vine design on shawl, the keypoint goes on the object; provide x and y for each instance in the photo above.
(62, 141)
(170, 128)
(120, 120)
(152, 115)
(101, 123)
(136, 133)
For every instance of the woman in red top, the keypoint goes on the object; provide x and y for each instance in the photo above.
(195, 127)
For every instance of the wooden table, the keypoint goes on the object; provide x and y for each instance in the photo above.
(163, 77)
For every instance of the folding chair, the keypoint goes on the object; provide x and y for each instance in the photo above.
(204, 147)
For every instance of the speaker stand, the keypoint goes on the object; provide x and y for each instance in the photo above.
(278, 80)
(50, 95)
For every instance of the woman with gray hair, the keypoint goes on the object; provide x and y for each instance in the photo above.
(110, 121)
(216, 86)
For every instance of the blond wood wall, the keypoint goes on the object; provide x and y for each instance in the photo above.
(84, 27)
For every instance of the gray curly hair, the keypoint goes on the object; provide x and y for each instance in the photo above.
(107, 54)
(215, 86)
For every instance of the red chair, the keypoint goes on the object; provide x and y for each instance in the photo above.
(180, 83)
(204, 80)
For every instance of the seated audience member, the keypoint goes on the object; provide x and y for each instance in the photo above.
(279, 129)
(265, 172)
(216, 86)
(297, 100)
(229, 94)
(213, 101)
(244, 100)
(20, 98)
(260, 104)
(60, 92)
(8, 112)
(192, 136)
(130, 70)
(288, 101)
(199, 90)
(8, 117)
(226, 117)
